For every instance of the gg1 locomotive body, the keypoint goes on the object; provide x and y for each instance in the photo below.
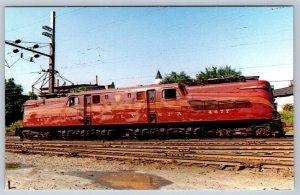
(156, 111)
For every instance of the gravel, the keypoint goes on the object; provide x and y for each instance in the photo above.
(37, 172)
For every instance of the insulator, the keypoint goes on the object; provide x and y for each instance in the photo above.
(21, 55)
(18, 41)
(36, 56)
(31, 59)
(36, 46)
(15, 50)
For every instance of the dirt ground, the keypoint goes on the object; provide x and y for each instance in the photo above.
(38, 172)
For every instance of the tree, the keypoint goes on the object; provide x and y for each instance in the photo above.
(215, 72)
(78, 89)
(14, 101)
(287, 114)
(32, 95)
(174, 77)
(288, 107)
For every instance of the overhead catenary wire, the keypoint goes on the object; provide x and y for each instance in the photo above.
(41, 19)
(102, 60)
(235, 45)
(138, 16)
(161, 52)
(191, 26)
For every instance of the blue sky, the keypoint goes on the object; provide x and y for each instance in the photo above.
(128, 45)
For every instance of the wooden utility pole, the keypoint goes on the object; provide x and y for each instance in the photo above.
(52, 54)
(51, 35)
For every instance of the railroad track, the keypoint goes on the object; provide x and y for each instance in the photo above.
(237, 153)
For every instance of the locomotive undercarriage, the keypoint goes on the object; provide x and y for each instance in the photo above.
(164, 131)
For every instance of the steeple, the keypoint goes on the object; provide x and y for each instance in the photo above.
(158, 77)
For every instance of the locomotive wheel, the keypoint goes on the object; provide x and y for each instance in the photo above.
(224, 132)
(64, 135)
(44, 135)
(189, 132)
(262, 131)
(26, 133)
(161, 134)
(112, 134)
(154, 133)
(199, 132)
(141, 134)
(136, 133)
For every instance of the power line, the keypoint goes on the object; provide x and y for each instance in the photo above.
(281, 80)
(168, 50)
(75, 10)
(27, 25)
(29, 42)
(41, 19)
(236, 45)
(148, 76)
(216, 16)
(108, 24)
(9, 66)
(196, 49)
(271, 65)
(137, 16)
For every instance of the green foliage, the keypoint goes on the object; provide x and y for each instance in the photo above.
(14, 100)
(78, 89)
(32, 96)
(174, 77)
(215, 72)
(287, 114)
(287, 117)
(13, 126)
(288, 107)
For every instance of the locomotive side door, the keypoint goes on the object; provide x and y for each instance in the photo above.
(151, 107)
(87, 110)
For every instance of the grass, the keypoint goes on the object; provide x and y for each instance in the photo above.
(12, 128)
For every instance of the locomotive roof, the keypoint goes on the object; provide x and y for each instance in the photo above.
(134, 88)
(155, 86)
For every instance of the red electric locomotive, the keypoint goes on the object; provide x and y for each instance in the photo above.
(156, 111)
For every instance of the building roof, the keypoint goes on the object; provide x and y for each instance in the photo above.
(158, 75)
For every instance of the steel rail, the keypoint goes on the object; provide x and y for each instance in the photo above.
(239, 151)
(250, 161)
(196, 143)
(279, 163)
(242, 153)
(178, 142)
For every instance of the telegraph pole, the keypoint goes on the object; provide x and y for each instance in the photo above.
(50, 32)
(51, 72)
(52, 52)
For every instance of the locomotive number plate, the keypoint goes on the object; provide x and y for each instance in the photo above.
(226, 111)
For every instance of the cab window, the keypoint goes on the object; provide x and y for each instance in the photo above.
(96, 99)
(170, 94)
(140, 95)
(73, 101)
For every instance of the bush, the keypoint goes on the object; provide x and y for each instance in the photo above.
(78, 89)
(288, 107)
(287, 117)
(13, 126)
